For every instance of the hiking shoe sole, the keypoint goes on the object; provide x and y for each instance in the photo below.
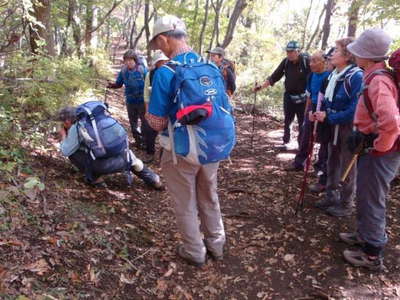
(359, 259)
(180, 251)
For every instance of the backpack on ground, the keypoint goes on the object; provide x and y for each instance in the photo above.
(204, 130)
(102, 135)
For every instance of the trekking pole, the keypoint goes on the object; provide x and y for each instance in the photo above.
(253, 113)
(348, 169)
(300, 200)
(105, 95)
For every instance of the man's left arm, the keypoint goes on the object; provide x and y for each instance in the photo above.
(70, 141)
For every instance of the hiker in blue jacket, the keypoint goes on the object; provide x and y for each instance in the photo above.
(341, 97)
(193, 187)
(73, 147)
(132, 76)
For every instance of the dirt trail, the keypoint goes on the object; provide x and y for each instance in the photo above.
(119, 243)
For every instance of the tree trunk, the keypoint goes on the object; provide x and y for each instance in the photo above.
(354, 10)
(237, 11)
(327, 23)
(317, 29)
(73, 21)
(40, 29)
(89, 23)
(147, 27)
(203, 26)
(303, 41)
(217, 9)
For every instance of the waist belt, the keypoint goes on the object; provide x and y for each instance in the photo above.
(298, 96)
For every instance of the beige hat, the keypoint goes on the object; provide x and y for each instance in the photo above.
(164, 24)
(217, 50)
(371, 44)
(159, 55)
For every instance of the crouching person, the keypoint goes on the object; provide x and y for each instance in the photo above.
(377, 120)
(73, 147)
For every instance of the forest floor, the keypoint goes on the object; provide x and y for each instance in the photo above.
(72, 241)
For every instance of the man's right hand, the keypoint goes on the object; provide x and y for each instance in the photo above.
(110, 84)
(355, 142)
(263, 86)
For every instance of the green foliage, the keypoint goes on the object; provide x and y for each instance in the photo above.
(36, 88)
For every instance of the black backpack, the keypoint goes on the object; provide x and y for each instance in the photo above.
(304, 64)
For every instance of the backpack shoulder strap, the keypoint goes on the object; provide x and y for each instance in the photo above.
(347, 79)
(367, 100)
(171, 65)
(304, 60)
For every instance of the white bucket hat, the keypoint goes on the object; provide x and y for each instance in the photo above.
(165, 24)
(371, 44)
(159, 55)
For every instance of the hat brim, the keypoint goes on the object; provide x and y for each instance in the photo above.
(355, 49)
(152, 43)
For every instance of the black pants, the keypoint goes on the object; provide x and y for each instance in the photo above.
(291, 109)
(110, 165)
(304, 146)
(146, 135)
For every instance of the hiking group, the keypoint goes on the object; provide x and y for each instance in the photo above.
(346, 100)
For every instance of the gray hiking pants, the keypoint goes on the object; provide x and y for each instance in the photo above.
(373, 182)
(339, 158)
(193, 190)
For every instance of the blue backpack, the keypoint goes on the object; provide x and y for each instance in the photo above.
(204, 130)
(102, 134)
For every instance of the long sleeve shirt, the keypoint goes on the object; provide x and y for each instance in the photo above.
(342, 108)
(383, 95)
(296, 74)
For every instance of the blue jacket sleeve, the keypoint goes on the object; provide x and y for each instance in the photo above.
(160, 99)
(347, 115)
(120, 80)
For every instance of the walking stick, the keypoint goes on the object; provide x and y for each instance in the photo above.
(253, 113)
(348, 169)
(105, 95)
(300, 200)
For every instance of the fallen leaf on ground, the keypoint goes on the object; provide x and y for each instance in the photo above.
(39, 267)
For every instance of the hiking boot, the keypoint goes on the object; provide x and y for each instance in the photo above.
(340, 210)
(294, 168)
(359, 258)
(351, 238)
(148, 158)
(181, 252)
(316, 187)
(324, 203)
(215, 256)
(158, 185)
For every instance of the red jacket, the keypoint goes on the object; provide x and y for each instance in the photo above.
(383, 95)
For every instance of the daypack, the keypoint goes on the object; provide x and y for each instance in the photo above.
(229, 64)
(347, 79)
(204, 130)
(102, 134)
(303, 65)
